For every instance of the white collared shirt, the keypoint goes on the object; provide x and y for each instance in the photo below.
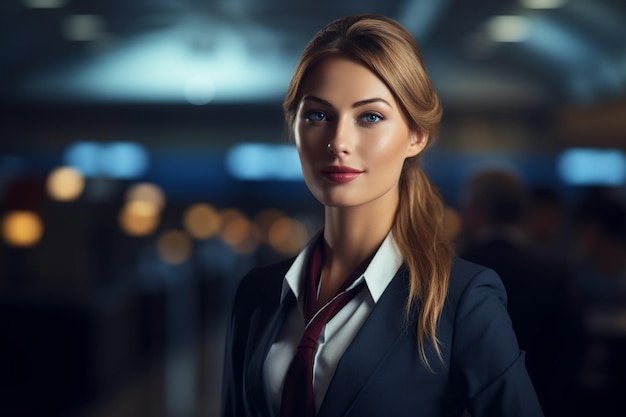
(338, 333)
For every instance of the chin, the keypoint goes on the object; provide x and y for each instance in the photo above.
(338, 202)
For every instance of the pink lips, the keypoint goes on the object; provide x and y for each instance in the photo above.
(341, 173)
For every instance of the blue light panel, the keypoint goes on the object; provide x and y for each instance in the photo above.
(259, 162)
(123, 160)
(580, 166)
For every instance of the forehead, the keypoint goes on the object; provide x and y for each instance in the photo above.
(337, 78)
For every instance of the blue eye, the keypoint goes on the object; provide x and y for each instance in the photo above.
(316, 116)
(371, 118)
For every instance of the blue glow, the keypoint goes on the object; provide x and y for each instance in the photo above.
(84, 157)
(589, 71)
(592, 167)
(556, 42)
(124, 160)
(225, 70)
(258, 161)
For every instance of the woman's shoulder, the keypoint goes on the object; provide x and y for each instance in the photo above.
(264, 280)
(467, 277)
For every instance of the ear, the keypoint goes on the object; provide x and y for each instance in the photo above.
(418, 140)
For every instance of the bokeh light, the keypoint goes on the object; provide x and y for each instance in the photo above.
(126, 160)
(83, 27)
(22, 228)
(202, 221)
(65, 184)
(288, 236)
(238, 232)
(141, 214)
(174, 247)
(235, 230)
(543, 4)
(147, 192)
(139, 218)
(588, 166)
(508, 28)
(265, 219)
(264, 161)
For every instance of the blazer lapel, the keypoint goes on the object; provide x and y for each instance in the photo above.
(270, 318)
(379, 333)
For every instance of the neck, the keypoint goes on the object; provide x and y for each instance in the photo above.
(354, 233)
(352, 236)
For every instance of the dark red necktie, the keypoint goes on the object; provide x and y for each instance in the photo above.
(297, 399)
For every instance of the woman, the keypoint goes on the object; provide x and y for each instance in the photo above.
(395, 326)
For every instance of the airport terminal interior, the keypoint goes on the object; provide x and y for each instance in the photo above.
(145, 167)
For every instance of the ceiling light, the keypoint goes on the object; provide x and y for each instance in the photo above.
(83, 27)
(44, 4)
(226, 74)
(508, 28)
(542, 4)
(199, 90)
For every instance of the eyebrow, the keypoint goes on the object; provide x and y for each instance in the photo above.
(354, 105)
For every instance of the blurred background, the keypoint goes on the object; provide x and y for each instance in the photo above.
(144, 168)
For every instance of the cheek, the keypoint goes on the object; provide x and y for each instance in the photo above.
(307, 149)
(311, 139)
(387, 147)
(300, 140)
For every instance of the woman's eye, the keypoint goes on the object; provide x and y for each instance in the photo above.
(315, 116)
(371, 118)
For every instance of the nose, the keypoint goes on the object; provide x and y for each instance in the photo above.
(342, 139)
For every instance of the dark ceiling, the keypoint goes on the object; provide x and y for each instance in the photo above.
(243, 51)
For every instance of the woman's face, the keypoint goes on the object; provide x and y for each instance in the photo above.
(351, 136)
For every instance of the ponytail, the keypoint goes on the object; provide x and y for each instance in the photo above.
(419, 233)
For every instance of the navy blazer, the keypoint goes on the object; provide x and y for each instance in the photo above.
(381, 372)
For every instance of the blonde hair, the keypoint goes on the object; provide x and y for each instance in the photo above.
(388, 50)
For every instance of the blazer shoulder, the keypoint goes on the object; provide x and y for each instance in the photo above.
(264, 280)
(464, 268)
(465, 275)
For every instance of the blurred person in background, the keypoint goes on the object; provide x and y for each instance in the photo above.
(395, 325)
(600, 237)
(495, 211)
(546, 222)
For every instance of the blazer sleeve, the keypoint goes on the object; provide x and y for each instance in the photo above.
(485, 353)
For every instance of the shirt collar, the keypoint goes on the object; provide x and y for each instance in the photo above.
(296, 272)
(383, 267)
(377, 276)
